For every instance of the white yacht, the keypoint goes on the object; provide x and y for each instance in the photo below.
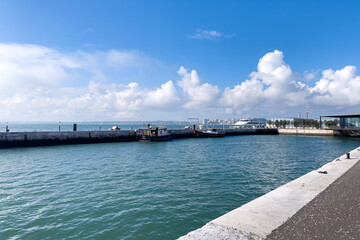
(250, 123)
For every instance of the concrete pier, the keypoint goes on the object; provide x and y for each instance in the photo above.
(333, 214)
(188, 133)
(289, 211)
(341, 132)
(307, 132)
(183, 133)
(243, 131)
(28, 139)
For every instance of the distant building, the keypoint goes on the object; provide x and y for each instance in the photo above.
(205, 121)
(346, 121)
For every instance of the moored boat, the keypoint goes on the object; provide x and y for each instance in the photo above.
(154, 134)
(250, 123)
(213, 132)
(115, 128)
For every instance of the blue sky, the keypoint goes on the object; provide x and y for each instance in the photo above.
(222, 41)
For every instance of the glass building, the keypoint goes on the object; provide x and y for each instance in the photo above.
(347, 121)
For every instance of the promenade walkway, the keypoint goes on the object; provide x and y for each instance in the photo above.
(322, 204)
(333, 214)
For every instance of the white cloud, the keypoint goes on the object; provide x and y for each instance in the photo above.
(274, 85)
(39, 83)
(243, 97)
(210, 35)
(31, 65)
(339, 88)
(310, 75)
(164, 97)
(276, 88)
(197, 94)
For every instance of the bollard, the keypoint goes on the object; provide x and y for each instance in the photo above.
(74, 127)
(347, 155)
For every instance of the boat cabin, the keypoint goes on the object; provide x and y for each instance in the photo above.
(154, 132)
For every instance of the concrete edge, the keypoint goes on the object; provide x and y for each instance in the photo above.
(258, 218)
(306, 132)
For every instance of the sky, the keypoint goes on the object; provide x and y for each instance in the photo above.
(88, 60)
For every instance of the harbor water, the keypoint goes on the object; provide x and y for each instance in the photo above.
(133, 190)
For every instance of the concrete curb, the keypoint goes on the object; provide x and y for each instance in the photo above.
(307, 132)
(258, 218)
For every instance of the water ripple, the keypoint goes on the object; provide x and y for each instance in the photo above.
(146, 191)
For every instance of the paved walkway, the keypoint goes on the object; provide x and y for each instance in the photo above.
(333, 214)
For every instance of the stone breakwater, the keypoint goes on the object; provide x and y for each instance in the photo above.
(42, 138)
(31, 139)
(308, 132)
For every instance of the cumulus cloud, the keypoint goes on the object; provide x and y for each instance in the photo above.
(310, 75)
(274, 84)
(197, 94)
(40, 83)
(275, 87)
(339, 88)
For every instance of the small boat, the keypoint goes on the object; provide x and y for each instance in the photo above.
(115, 128)
(250, 123)
(210, 133)
(154, 134)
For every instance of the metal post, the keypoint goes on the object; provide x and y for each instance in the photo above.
(100, 126)
(59, 126)
(7, 127)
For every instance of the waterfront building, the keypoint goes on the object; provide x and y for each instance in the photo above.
(350, 121)
(205, 121)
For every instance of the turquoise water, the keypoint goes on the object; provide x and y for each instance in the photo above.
(137, 190)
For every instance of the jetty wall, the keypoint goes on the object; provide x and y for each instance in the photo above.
(243, 131)
(28, 139)
(189, 133)
(258, 218)
(308, 132)
(183, 133)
